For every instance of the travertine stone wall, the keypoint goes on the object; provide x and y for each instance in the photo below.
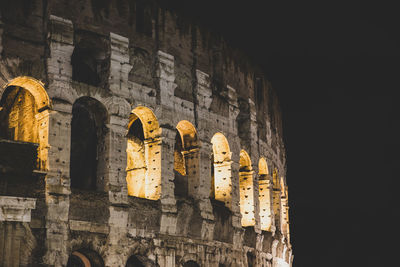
(177, 70)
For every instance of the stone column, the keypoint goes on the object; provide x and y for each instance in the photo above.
(16, 238)
(204, 98)
(234, 143)
(59, 139)
(165, 76)
(192, 170)
(114, 171)
(119, 65)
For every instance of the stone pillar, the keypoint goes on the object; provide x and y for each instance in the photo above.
(165, 76)
(114, 169)
(192, 159)
(119, 65)
(16, 238)
(204, 98)
(59, 139)
(234, 143)
(276, 200)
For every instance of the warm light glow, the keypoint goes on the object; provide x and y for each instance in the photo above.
(284, 208)
(144, 154)
(24, 114)
(222, 181)
(246, 190)
(186, 159)
(264, 195)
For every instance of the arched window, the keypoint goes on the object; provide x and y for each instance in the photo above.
(246, 189)
(186, 159)
(88, 131)
(90, 59)
(24, 116)
(264, 195)
(221, 183)
(85, 258)
(144, 154)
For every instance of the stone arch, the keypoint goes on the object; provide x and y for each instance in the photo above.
(144, 154)
(24, 114)
(246, 189)
(140, 261)
(264, 195)
(186, 159)
(88, 146)
(221, 183)
(191, 263)
(85, 258)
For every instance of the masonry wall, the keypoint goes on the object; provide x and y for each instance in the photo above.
(126, 54)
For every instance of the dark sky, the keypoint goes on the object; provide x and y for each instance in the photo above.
(335, 65)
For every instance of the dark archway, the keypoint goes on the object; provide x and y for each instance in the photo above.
(88, 131)
(85, 258)
(191, 264)
(140, 261)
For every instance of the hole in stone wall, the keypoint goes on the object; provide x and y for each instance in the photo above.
(85, 258)
(264, 195)
(90, 59)
(191, 264)
(18, 116)
(144, 154)
(186, 158)
(140, 261)
(88, 130)
(246, 189)
(222, 169)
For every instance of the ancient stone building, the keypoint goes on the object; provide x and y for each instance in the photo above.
(131, 136)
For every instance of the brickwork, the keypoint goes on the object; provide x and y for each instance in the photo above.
(177, 177)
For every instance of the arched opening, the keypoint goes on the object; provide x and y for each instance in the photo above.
(251, 259)
(90, 59)
(85, 258)
(140, 261)
(276, 198)
(186, 159)
(24, 113)
(264, 195)
(191, 264)
(246, 189)
(88, 131)
(221, 183)
(144, 154)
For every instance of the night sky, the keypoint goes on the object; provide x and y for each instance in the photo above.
(335, 65)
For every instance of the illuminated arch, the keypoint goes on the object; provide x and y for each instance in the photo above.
(35, 87)
(144, 154)
(186, 159)
(24, 114)
(221, 184)
(246, 189)
(264, 195)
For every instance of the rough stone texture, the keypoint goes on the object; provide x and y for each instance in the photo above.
(143, 55)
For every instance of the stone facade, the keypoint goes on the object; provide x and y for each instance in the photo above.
(156, 144)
